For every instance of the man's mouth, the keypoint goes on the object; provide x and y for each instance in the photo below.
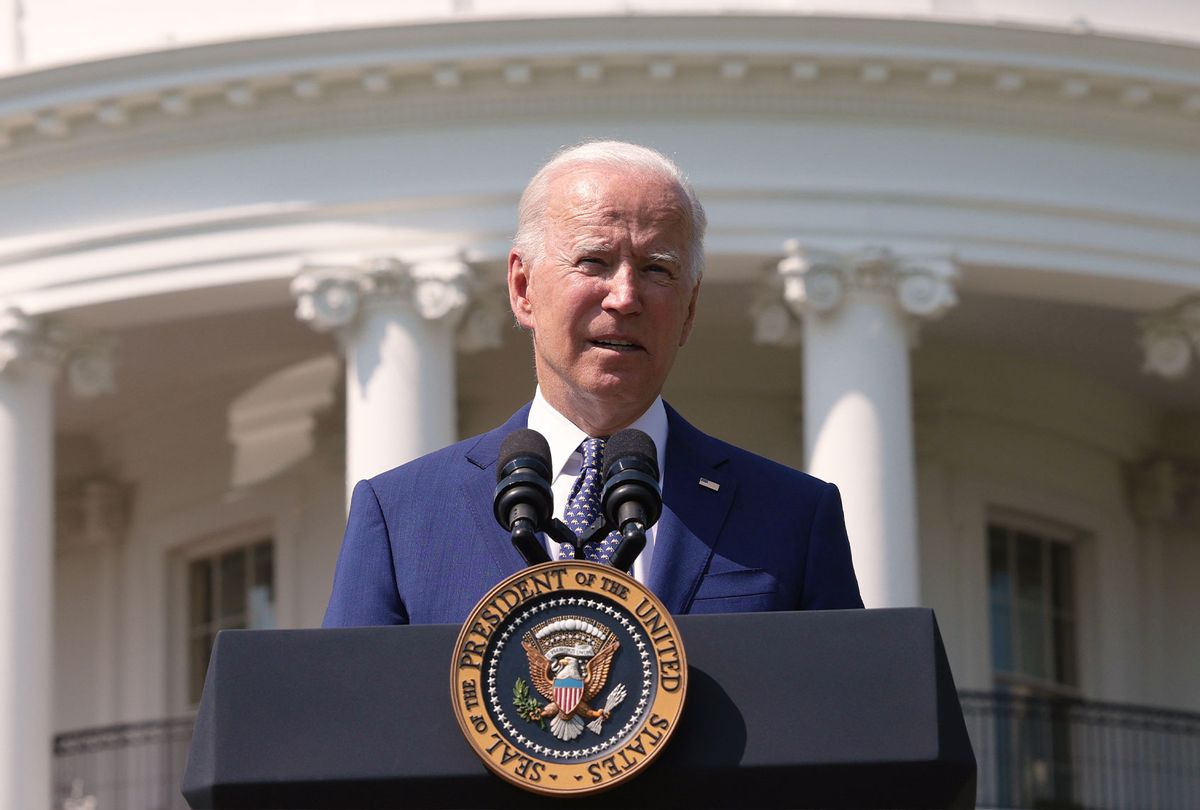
(615, 344)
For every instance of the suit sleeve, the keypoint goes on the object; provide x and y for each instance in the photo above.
(364, 584)
(829, 580)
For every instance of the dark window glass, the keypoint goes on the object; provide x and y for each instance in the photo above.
(232, 590)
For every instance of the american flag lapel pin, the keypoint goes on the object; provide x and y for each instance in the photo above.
(713, 485)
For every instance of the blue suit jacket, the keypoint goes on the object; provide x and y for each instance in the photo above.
(422, 545)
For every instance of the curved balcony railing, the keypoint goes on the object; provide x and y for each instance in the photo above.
(1069, 753)
(1033, 752)
(133, 766)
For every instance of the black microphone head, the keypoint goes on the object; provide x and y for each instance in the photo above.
(631, 486)
(632, 448)
(526, 446)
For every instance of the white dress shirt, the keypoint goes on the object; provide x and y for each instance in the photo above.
(566, 460)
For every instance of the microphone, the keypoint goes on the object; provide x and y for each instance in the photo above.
(631, 498)
(523, 503)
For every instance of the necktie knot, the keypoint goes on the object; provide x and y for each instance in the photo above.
(593, 453)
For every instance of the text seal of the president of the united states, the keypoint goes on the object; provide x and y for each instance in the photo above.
(568, 678)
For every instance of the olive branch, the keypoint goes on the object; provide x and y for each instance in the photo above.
(526, 703)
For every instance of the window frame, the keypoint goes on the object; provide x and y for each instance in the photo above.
(204, 547)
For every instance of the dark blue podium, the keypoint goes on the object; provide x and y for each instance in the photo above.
(831, 709)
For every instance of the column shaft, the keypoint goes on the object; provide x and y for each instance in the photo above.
(26, 588)
(400, 388)
(858, 434)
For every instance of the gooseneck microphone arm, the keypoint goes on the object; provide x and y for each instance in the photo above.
(523, 503)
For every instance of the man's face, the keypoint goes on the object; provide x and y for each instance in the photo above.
(610, 301)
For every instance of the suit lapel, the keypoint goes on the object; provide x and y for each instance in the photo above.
(478, 489)
(693, 515)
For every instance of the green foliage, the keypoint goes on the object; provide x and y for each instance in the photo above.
(527, 706)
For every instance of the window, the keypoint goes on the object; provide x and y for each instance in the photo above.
(230, 590)
(1031, 595)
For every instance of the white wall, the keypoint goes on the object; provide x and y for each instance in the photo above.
(999, 435)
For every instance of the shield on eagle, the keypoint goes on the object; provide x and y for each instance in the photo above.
(568, 691)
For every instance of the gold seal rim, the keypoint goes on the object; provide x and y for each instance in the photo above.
(559, 778)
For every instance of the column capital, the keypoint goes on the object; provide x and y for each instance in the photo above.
(812, 281)
(90, 368)
(1163, 490)
(1170, 337)
(328, 297)
(332, 296)
(91, 512)
(28, 344)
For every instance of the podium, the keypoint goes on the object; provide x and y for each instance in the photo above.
(832, 709)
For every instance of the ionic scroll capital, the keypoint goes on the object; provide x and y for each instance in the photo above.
(29, 345)
(810, 281)
(1169, 339)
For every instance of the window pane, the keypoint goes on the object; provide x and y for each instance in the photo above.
(1031, 630)
(1000, 582)
(200, 593)
(233, 586)
(1029, 569)
(1062, 581)
(232, 590)
(1000, 600)
(1064, 652)
(1002, 658)
(264, 566)
(201, 649)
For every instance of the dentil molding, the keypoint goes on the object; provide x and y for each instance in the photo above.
(727, 60)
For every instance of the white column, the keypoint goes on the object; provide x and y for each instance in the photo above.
(27, 365)
(397, 324)
(857, 324)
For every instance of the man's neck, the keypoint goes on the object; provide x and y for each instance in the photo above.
(597, 418)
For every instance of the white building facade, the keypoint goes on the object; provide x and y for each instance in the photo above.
(249, 255)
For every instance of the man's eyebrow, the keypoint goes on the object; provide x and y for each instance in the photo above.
(593, 247)
(665, 258)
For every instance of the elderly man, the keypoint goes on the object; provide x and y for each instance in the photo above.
(604, 274)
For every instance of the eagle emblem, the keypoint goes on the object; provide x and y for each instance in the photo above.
(569, 661)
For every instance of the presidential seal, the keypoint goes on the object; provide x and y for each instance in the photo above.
(568, 678)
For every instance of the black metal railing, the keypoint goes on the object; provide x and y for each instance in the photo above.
(1074, 754)
(1034, 752)
(134, 766)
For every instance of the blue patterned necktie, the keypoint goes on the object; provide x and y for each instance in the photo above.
(583, 507)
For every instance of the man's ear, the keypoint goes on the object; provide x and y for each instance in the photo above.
(691, 315)
(518, 290)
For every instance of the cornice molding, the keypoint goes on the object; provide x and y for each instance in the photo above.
(889, 68)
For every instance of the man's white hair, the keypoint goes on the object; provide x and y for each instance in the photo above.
(529, 241)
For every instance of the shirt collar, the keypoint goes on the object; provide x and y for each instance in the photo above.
(564, 437)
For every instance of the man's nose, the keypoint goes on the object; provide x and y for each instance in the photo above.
(623, 295)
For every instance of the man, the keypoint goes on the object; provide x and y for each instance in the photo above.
(605, 274)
